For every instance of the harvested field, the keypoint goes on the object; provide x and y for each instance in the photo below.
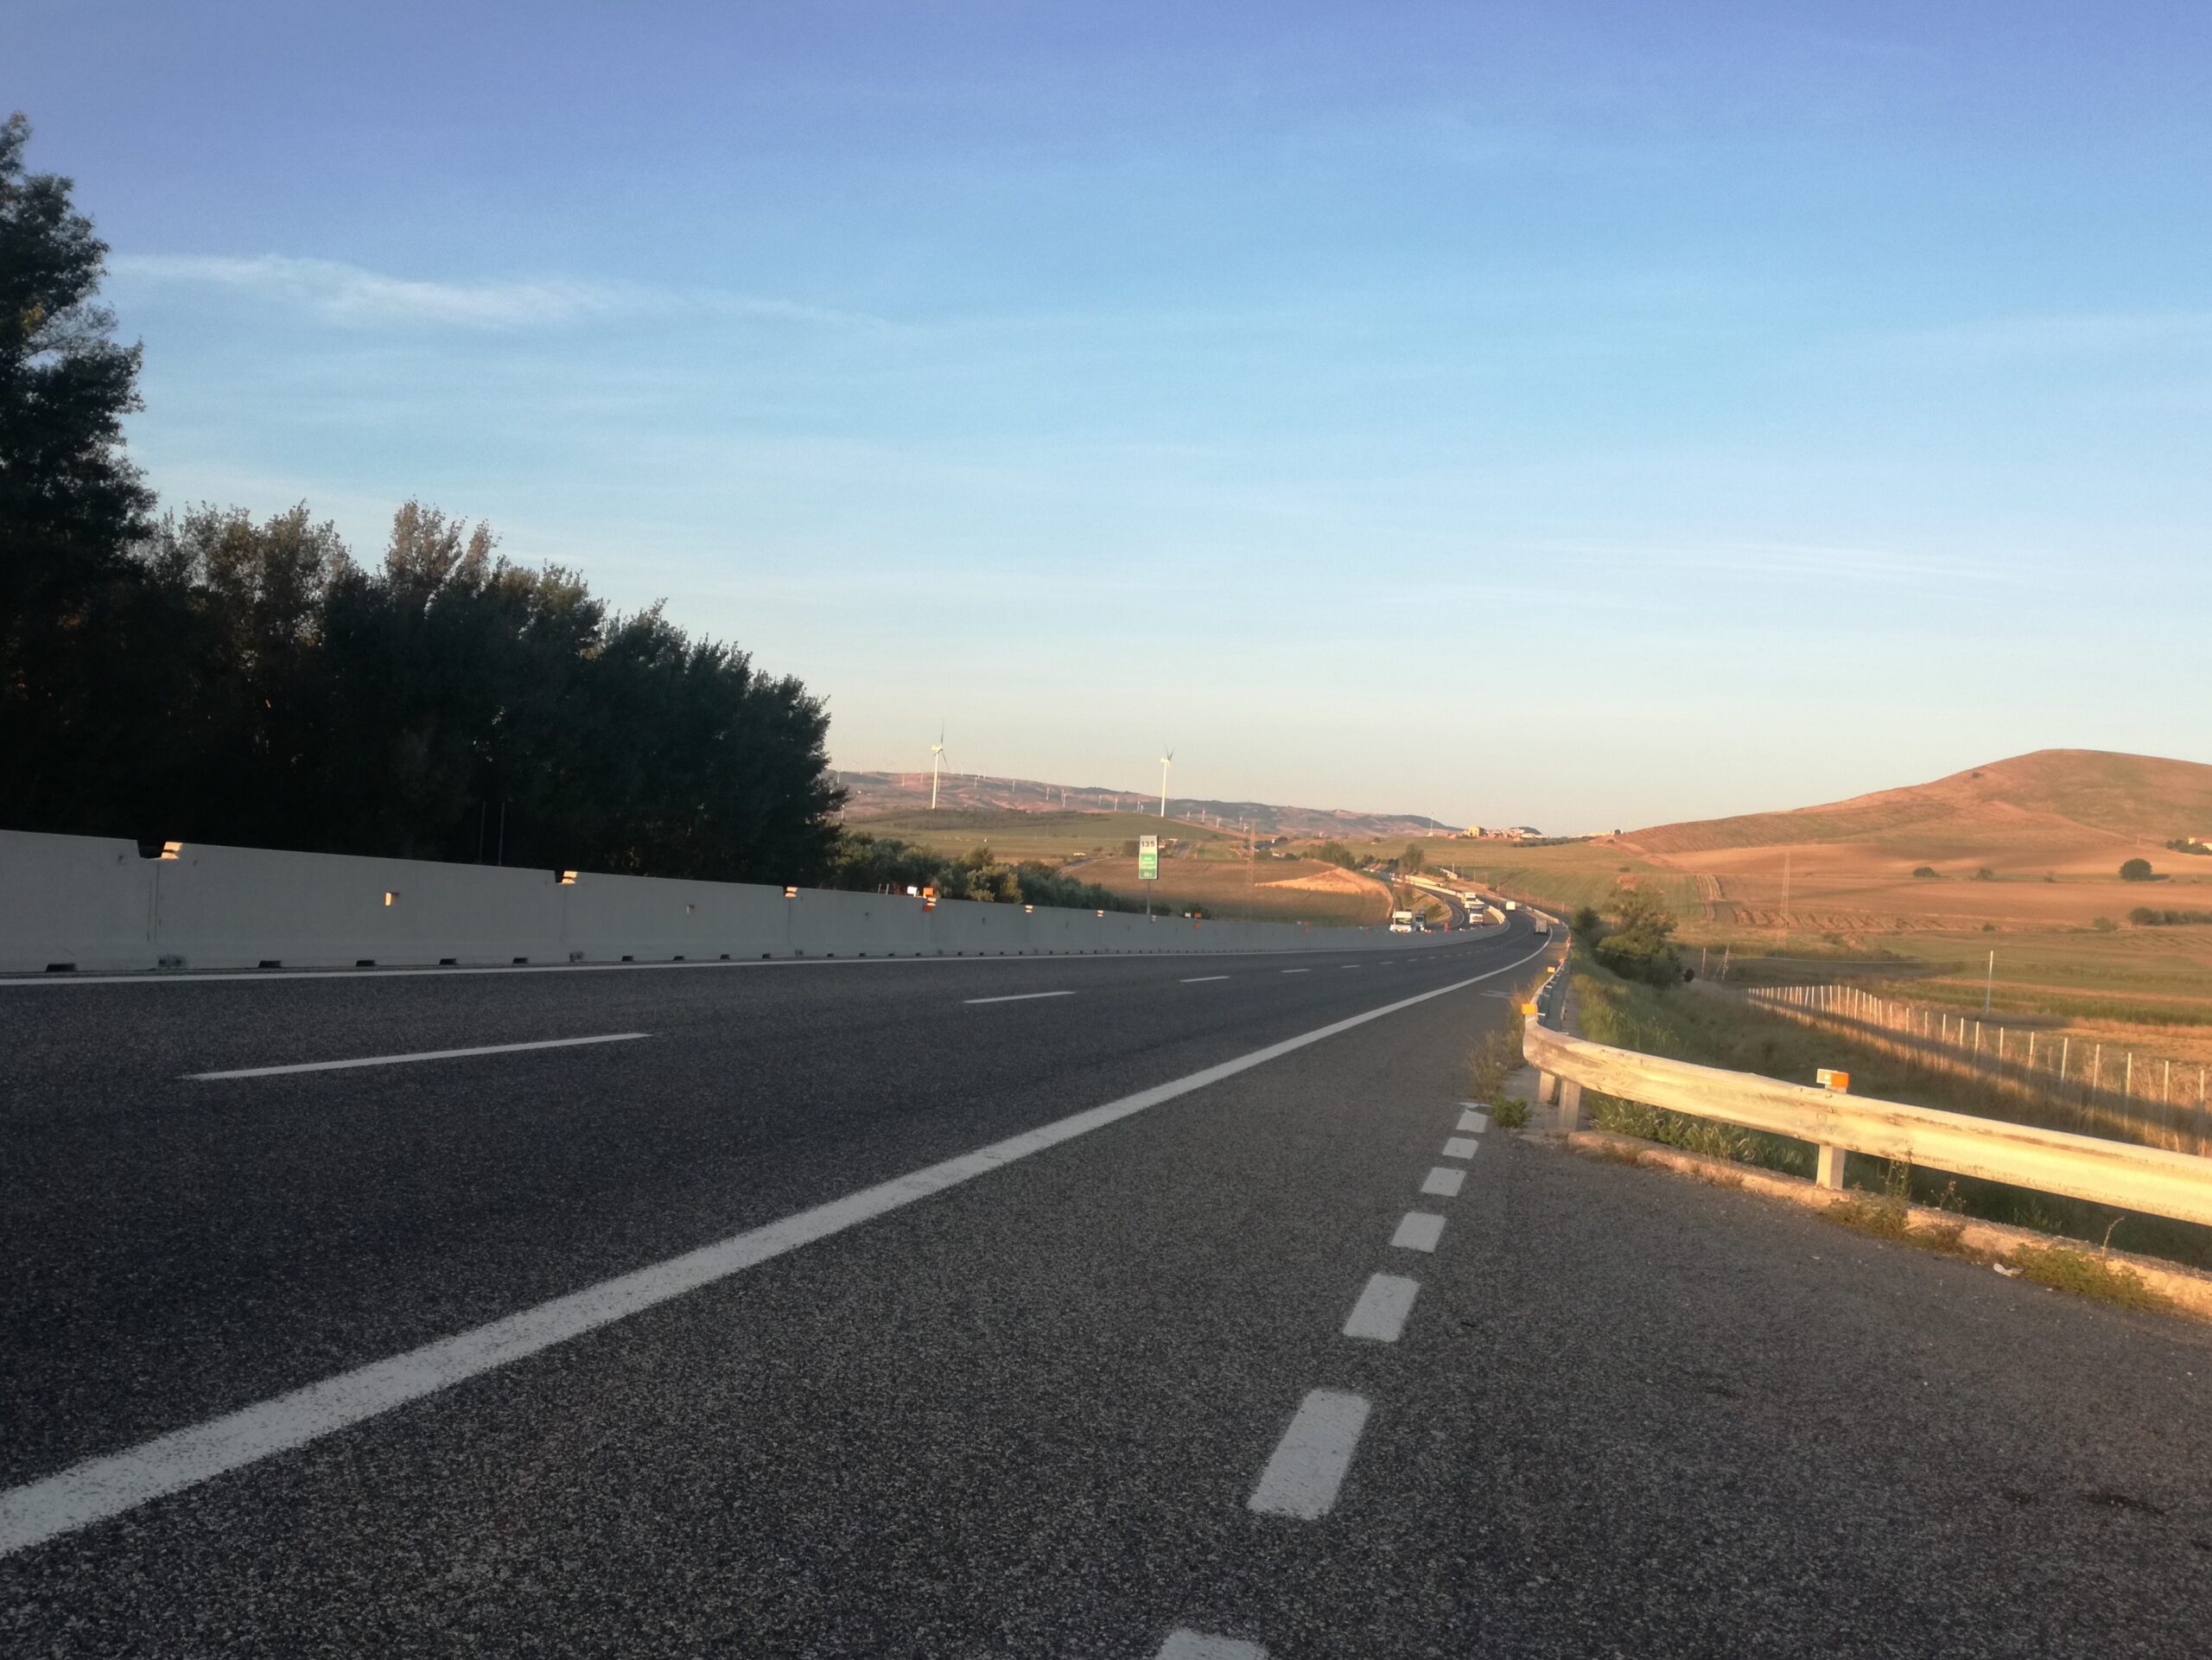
(1284, 890)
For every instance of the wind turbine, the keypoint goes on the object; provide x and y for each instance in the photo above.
(937, 763)
(1164, 759)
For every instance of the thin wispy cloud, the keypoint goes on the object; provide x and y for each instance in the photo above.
(356, 296)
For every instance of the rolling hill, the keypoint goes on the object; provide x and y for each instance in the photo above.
(2069, 801)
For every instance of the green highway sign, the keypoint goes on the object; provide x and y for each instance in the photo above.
(1149, 858)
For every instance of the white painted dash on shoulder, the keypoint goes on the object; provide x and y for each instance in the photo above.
(1460, 1146)
(1380, 1314)
(1187, 1644)
(1443, 1181)
(1303, 1477)
(1418, 1231)
(1200, 979)
(1018, 997)
(423, 1055)
(1473, 1122)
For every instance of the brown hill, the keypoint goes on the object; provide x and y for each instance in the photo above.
(2072, 803)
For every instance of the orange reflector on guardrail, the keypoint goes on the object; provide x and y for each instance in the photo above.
(1829, 1078)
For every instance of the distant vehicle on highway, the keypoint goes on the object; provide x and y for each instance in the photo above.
(1512, 905)
(1402, 922)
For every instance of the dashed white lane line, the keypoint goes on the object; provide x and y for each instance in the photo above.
(1200, 979)
(1419, 1231)
(1460, 1146)
(1348, 965)
(1018, 997)
(1380, 1314)
(1186, 1644)
(423, 1055)
(101, 1487)
(1473, 1121)
(1442, 1181)
(1308, 1467)
(1297, 970)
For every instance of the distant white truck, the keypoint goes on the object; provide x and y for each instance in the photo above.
(1512, 905)
(1402, 922)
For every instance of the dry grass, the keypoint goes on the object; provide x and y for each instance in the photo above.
(1047, 837)
(2085, 1275)
(1274, 890)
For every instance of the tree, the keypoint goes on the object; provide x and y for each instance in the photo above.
(1412, 859)
(2137, 870)
(1336, 853)
(1985, 875)
(1639, 947)
(1587, 925)
(71, 503)
(1924, 872)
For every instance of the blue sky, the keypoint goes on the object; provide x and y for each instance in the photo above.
(1579, 414)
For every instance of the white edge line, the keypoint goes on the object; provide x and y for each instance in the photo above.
(99, 1488)
(424, 1054)
(1018, 997)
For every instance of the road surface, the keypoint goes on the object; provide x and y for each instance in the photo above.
(723, 1333)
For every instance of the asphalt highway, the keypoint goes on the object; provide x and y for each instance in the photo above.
(1113, 1306)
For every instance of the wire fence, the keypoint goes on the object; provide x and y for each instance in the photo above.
(2099, 1088)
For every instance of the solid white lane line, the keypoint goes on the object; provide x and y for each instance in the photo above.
(1018, 997)
(1419, 1231)
(423, 1055)
(101, 1487)
(1380, 1314)
(1460, 1146)
(1473, 1121)
(1200, 979)
(1308, 1467)
(1442, 1182)
(1186, 1644)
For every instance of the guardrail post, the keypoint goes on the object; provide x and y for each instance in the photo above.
(1831, 1167)
(1544, 1082)
(1570, 1105)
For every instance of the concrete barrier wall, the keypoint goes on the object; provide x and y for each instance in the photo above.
(95, 905)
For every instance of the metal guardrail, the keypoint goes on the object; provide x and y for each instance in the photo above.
(2151, 1180)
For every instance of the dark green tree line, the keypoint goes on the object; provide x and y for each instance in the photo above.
(208, 678)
